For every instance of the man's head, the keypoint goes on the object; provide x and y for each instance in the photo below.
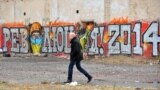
(72, 35)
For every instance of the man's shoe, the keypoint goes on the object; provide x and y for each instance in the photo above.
(68, 81)
(89, 79)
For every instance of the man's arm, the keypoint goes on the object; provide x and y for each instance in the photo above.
(76, 50)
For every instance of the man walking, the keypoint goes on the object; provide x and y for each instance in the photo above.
(76, 56)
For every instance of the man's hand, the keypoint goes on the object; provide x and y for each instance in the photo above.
(85, 56)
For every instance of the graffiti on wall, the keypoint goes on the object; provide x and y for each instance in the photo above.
(117, 37)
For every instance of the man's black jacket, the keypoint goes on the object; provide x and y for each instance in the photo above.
(76, 53)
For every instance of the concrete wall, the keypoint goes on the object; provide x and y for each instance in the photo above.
(145, 9)
(65, 10)
(13, 11)
(134, 9)
(87, 10)
(138, 40)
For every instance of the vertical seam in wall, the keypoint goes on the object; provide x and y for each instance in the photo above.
(107, 10)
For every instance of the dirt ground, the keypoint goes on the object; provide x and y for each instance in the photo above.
(111, 73)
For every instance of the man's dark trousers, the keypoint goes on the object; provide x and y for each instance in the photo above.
(78, 65)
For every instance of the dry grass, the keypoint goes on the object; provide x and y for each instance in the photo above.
(7, 86)
(124, 59)
(58, 87)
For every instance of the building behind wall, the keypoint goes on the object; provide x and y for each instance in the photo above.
(76, 10)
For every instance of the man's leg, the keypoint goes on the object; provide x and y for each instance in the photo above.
(70, 70)
(78, 65)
